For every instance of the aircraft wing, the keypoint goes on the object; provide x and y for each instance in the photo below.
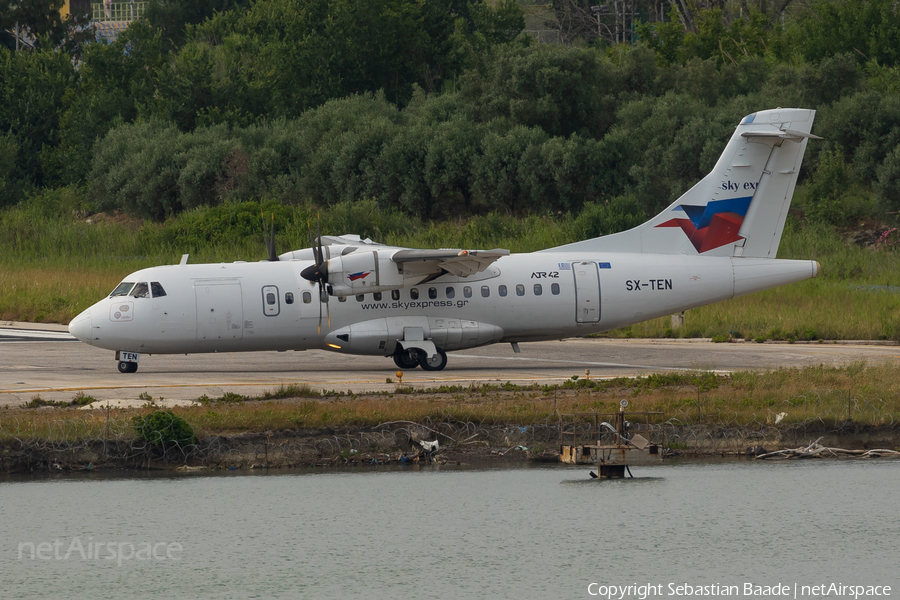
(460, 263)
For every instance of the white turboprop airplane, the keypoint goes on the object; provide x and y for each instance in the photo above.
(717, 241)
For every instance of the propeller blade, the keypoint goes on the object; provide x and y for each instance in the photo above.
(269, 235)
(328, 311)
(312, 243)
(319, 238)
(320, 319)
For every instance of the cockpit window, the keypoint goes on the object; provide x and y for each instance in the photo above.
(157, 289)
(122, 289)
(141, 290)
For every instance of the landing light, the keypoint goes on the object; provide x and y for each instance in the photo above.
(333, 346)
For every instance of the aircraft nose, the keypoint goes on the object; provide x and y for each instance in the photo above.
(80, 327)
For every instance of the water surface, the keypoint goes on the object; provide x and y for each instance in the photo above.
(451, 533)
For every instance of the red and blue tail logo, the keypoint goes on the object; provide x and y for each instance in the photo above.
(713, 225)
(360, 275)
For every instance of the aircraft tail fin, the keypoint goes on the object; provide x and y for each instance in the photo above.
(739, 208)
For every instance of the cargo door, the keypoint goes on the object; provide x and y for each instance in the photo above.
(220, 314)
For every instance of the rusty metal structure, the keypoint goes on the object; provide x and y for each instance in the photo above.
(611, 441)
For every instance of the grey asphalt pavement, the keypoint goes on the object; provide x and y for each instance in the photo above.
(44, 363)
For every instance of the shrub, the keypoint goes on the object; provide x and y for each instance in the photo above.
(163, 427)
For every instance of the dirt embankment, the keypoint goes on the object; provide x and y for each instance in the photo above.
(401, 444)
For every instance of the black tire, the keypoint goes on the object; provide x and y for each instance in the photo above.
(404, 361)
(127, 367)
(433, 364)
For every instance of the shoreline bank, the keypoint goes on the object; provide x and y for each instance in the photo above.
(460, 444)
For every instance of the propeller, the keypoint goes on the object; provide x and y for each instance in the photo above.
(269, 235)
(318, 272)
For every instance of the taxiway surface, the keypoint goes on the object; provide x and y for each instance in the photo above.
(50, 364)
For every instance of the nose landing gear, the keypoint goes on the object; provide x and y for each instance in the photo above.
(127, 367)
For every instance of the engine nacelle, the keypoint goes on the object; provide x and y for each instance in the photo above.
(367, 272)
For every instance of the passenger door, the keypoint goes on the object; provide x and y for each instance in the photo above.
(587, 292)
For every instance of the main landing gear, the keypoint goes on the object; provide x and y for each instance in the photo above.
(127, 367)
(412, 358)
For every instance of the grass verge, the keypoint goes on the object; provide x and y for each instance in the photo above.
(815, 398)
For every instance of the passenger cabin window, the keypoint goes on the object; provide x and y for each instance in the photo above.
(122, 289)
(360, 297)
(342, 298)
(157, 289)
(414, 294)
(270, 298)
(451, 292)
(289, 298)
(554, 289)
(502, 290)
(395, 294)
(432, 293)
(307, 297)
(538, 290)
(141, 290)
(520, 290)
(485, 291)
(376, 296)
(467, 292)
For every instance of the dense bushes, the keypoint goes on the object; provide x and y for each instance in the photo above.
(440, 108)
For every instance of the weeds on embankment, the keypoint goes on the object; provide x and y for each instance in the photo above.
(809, 399)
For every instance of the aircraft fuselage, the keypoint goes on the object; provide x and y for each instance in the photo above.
(232, 307)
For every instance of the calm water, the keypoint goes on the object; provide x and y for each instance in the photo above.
(450, 533)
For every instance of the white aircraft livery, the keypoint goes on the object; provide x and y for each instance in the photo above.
(717, 241)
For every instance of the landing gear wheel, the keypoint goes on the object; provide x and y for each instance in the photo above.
(127, 367)
(433, 364)
(404, 361)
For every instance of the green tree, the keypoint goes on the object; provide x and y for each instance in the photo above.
(401, 173)
(452, 149)
(134, 170)
(41, 22)
(499, 170)
(116, 82)
(32, 86)
(827, 187)
(173, 17)
(866, 29)
(341, 141)
(560, 89)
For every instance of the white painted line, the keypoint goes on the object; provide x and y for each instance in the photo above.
(592, 364)
(36, 334)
